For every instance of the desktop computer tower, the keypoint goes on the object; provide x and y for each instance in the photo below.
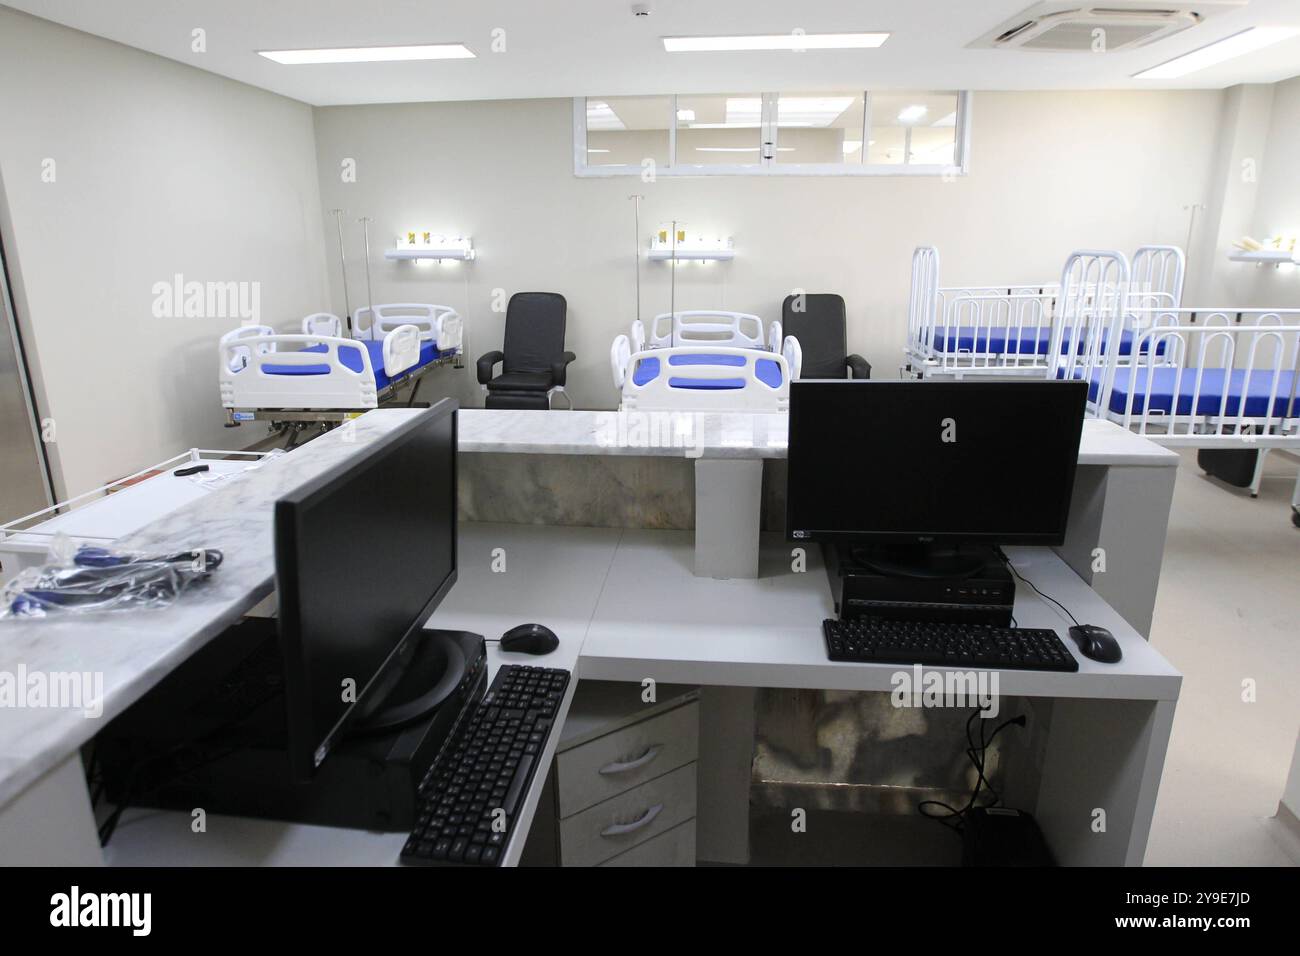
(213, 735)
(985, 596)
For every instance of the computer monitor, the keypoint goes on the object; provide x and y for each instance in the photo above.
(932, 463)
(363, 555)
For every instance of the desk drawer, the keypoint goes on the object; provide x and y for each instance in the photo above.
(619, 761)
(675, 847)
(629, 819)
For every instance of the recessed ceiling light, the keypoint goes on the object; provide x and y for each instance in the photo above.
(776, 41)
(370, 54)
(686, 116)
(1239, 44)
(910, 114)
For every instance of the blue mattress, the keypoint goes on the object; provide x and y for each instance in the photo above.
(1255, 391)
(1026, 341)
(350, 356)
(767, 371)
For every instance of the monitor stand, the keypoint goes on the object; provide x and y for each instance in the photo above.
(433, 669)
(930, 561)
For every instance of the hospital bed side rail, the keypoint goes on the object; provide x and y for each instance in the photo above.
(1210, 377)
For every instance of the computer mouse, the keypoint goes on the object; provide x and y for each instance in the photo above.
(1096, 643)
(529, 639)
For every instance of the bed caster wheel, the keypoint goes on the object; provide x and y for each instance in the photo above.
(1295, 518)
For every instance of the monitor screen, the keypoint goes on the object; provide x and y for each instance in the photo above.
(364, 553)
(875, 462)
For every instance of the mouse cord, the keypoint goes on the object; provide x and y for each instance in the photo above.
(1012, 568)
(977, 756)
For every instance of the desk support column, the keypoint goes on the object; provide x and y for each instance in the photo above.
(1101, 774)
(1122, 510)
(728, 510)
(51, 823)
(725, 766)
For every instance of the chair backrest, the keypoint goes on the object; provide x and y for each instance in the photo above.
(323, 323)
(817, 320)
(534, 338)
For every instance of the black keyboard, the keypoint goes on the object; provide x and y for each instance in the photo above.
(981, 646)
(468, 802)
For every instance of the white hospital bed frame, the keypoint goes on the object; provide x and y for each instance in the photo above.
(706, 327)
(1014, 311)
(1263, 344)
(293, 402)
(658, 395)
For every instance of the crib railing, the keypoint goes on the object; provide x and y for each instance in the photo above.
(1229, 376)
(1026, 327)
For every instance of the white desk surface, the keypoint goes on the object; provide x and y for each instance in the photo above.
(716, 435)
(656, 619)
(626, 606)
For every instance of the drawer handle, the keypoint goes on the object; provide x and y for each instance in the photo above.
(619, 829)
(617, 767)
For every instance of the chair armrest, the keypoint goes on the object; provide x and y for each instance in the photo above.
(858, 366)
(485, 364)
(559, 369)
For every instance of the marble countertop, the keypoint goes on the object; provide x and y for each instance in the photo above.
(714, 435)
(131, 651)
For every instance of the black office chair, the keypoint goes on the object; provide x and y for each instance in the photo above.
(534, 362)
(820, 328)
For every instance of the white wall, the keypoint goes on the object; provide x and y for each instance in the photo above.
(1277, 207)
(160, 169)
(1257, 193)
(1050, 172)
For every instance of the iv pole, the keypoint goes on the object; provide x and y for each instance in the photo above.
(637, 250)
(343, 268)
(370, 299)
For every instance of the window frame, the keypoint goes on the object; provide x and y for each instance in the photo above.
(769, 138)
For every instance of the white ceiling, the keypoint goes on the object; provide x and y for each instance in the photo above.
(596, 47)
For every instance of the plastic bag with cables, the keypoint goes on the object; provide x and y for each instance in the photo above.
(96, 579)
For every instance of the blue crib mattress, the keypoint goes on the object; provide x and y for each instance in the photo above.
(1255, 391)
(350, 356)
(1014, 342)
(647, 370)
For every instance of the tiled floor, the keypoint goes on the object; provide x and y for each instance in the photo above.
(1228, 610)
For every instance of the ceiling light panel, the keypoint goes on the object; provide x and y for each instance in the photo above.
(370, 54)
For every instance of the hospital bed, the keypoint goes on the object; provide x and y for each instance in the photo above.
(322, 376)
(700, 378)
(1203, 378)
(1005, 331)
(706, 327)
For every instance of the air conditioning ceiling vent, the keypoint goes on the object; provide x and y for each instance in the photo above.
(1072, 27)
